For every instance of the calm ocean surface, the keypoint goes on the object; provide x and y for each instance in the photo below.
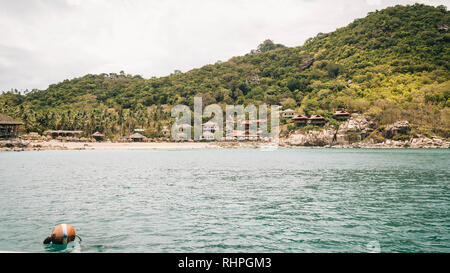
(236, 200)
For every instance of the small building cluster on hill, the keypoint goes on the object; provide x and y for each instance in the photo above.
(210, 128)
(302, 120)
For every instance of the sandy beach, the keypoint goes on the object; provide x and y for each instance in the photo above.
(57, 145)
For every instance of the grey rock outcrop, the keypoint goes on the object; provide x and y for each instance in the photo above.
(425, 142)
(401, 127)
(306, 64)
(354, 134)
(354, 130)
(310, 138)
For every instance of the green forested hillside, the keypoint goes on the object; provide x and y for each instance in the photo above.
(393, 64)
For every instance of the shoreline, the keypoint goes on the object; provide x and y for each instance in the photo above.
(20, 145)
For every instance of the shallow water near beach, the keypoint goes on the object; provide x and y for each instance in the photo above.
(228, 200)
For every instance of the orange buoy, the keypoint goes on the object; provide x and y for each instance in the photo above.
(61, 235)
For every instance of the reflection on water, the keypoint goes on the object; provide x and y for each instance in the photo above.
(72, 247)
(230, 200)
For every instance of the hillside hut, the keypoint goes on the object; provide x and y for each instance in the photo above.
(300, 120)
(341, 115)
(288, 113)
(98, 136)
(317, 120)
(8, 127)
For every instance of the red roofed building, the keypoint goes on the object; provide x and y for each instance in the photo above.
(341, 115)
(300, 120)
(317, 120)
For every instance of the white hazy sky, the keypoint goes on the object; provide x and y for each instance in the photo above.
(46, 41)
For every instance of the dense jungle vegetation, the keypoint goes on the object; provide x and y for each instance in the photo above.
(391, 65)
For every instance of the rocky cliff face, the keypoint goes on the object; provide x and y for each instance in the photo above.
(310, 138)
(398, 128)
(354, 132)
(356, 129)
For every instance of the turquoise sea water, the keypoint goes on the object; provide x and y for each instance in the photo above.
(230, 200)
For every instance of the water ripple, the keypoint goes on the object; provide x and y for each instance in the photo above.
(305, 200)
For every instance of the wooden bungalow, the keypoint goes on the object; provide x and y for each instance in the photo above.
(341, 115)
(9, 127)
(98, 136)
(136, 137)
(317, 120)
(300, 120)
(289, 113)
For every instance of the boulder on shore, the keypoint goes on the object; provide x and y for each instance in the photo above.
(401, 127)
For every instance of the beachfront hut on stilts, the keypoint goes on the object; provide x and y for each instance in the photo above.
(136, 137)
(9, 127)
